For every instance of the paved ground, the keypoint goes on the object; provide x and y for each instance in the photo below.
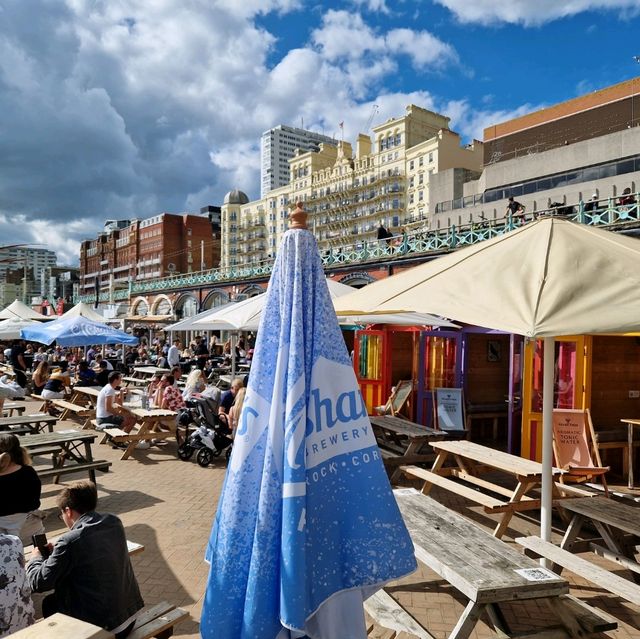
(168, 505)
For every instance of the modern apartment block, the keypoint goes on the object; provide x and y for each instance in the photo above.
(18, 258)
(277, 147)
(566, 153)
(349, 192)
(135, 250)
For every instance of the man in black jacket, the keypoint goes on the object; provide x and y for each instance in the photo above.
(89, 569)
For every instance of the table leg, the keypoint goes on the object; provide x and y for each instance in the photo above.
(88, 453)
(497, 618)
(413, 449)
(467, 621)
(143, 430)
(630, 454)
(437, 465)
(573, 530)
(518, 494)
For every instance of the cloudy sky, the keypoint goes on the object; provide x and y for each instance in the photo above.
(125, 108)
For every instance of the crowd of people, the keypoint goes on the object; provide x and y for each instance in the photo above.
(87, 572)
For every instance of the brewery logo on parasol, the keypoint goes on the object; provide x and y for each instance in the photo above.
(333, 420)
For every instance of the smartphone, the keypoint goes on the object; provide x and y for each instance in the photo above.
(40, 542)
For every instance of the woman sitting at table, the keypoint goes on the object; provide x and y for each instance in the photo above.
(195, 384)
(55, 387)
(40, 377)
(168, 396)
(86, 376)
(235, 410)
(20, 485)
(154, 385)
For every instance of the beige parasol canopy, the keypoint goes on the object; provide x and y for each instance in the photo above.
(548, 278)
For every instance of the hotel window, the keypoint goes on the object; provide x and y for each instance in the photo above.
(411, 165)
(431, 156)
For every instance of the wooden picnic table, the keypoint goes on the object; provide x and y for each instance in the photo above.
(148, 371)
(471, 463)
(403, 442)
(36, 423)
(614, 521)
(489, 572)
(149, 421)
(60, 626)
(632, 424)
(72, 445)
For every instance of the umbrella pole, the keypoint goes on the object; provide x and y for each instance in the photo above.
(547, 438)
(233, 356)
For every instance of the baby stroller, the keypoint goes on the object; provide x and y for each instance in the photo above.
(211, 436)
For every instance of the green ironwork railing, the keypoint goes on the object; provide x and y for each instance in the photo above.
(413, 243)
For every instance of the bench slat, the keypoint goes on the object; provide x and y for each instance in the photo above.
(490, 503)
(582, 567)
(387, 612)
(69, 406)
(591, 619)
(75, 468)
(161, 623)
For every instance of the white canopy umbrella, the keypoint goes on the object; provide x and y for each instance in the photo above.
(10, 328)
(398, 319)
(84, 310)
(187, 323)
(549, 278)
(18, 309)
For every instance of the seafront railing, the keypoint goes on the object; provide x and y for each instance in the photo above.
(415, 242)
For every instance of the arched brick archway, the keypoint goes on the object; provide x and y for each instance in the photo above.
(162, 305)
(186, 306)
(252, 290)
(357, 280)
(140, 306)
(216, 297)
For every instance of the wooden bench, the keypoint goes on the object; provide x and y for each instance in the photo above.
(536, 547)
(387, 612)
(10, 408)
(35, 423)
(55, 472)
(135, 381)
(83, 412)
(157, 621)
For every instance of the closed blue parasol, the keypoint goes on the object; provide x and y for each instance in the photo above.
(76, 331)
(307, 526)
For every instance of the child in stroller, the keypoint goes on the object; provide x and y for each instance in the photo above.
(212, 435)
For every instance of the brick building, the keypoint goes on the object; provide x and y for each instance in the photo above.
(137, 250)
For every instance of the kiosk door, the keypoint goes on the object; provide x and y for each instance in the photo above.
(369, 362)
(571, 385)
(439, 366)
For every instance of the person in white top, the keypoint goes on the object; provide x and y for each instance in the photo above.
(107, 410)
(173, 356)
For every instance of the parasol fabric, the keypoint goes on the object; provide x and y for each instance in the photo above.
(307, 526)
(76, 331)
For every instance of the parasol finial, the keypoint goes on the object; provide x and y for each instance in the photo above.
(298, 219)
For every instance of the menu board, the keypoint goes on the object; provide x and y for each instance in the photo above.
(449, 408)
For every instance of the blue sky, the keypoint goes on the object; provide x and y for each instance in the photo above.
(126, 108)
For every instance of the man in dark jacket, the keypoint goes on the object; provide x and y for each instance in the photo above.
(89, 569)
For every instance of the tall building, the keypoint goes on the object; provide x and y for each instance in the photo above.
(584, 149)
(277, 147)
(348, 193)
(18, 258)
(158, 246)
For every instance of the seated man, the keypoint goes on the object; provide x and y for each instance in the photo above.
(107, 412)
(228, 397)
(89, 569)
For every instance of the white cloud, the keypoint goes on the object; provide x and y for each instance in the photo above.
(375, 6)
(528, 12)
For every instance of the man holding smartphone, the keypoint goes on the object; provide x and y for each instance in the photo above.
(89, 569)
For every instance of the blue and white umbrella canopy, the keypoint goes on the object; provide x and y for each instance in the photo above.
(76, 331)
(307, 526)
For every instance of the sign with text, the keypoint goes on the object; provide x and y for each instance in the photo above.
(449, 408)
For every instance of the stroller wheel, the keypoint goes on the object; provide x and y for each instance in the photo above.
(185, 452)
(204, 457)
